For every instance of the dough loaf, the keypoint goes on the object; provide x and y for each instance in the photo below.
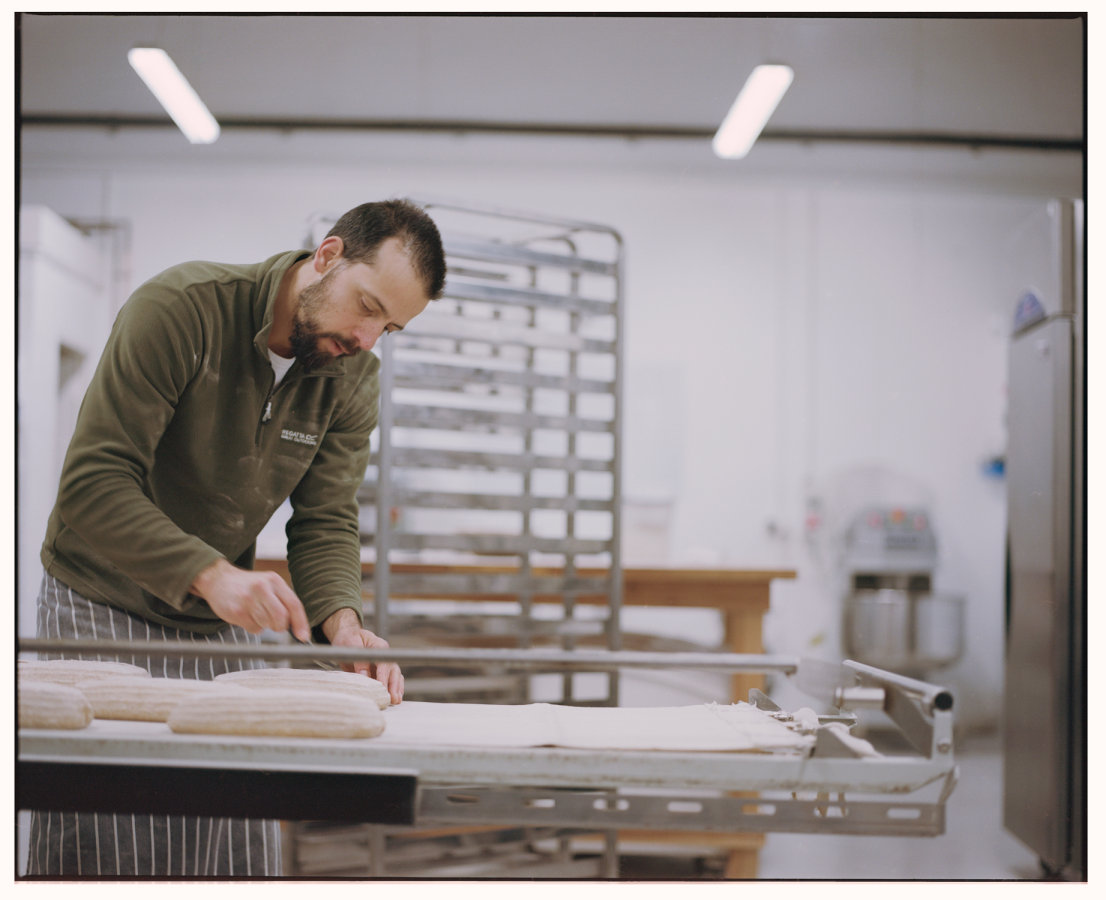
(146, 699)
(293, 713)
(348, 683)
(44, 704)
(72, 671)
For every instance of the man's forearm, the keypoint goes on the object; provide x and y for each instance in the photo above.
(339, 621)
(202, 584)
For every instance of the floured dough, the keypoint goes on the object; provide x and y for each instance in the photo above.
(72, 671)
(145, 699)
(317, 679)
(296, 712)
(45, 704)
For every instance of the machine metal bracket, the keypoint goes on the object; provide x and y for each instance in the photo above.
(950, 785)
(761, 700)
(723, 813)
(859, 698)
(828, 743)
(922, 711)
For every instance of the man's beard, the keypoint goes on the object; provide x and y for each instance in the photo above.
(305, 346)
(305, 330)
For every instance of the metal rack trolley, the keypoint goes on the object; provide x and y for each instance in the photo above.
(498, 449)
(499, 446)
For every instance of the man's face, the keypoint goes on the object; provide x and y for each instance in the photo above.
(353, 304)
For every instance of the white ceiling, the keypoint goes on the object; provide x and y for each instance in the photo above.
(1016, 78)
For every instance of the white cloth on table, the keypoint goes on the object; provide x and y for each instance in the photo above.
(737, 727)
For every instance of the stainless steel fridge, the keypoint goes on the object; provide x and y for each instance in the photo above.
(1044, 709)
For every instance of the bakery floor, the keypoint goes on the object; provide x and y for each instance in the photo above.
(975, 846)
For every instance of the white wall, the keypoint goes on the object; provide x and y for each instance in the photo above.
(65, 313)
(805, 311)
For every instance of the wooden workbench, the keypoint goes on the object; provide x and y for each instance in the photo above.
(741, 595)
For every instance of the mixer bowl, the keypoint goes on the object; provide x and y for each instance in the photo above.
(902, 630)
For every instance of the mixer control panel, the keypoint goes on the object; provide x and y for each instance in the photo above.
(890, 538)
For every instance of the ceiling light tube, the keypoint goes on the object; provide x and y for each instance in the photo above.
(751, 110)
(173, 91)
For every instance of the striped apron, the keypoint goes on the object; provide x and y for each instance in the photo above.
(109, 845)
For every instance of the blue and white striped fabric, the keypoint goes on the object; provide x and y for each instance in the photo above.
(108, 845)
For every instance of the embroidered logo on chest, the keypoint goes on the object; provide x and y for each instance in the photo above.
(298, 437)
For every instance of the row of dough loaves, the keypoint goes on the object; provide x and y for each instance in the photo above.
(69, 693)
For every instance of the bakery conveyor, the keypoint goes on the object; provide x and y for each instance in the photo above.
(533, 764)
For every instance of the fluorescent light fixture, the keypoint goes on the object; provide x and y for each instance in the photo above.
(751, 110)
(173, 91)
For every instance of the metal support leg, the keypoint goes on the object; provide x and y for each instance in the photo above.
(610, 854)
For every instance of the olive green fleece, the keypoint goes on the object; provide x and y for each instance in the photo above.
(175, 461)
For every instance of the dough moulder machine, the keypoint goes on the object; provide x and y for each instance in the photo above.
(826, 782)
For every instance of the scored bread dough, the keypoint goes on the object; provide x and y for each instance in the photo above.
(46, 704)
(145, 699)
(317, 679)
(72, 671)
(296, 712)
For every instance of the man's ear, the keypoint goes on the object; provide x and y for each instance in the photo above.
(328, 253)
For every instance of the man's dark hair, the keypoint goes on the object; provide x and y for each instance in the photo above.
(364, 228)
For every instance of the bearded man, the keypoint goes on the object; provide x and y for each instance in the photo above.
(224, 390)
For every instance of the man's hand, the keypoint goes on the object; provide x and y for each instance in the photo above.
(254, 600)
(343, 629)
